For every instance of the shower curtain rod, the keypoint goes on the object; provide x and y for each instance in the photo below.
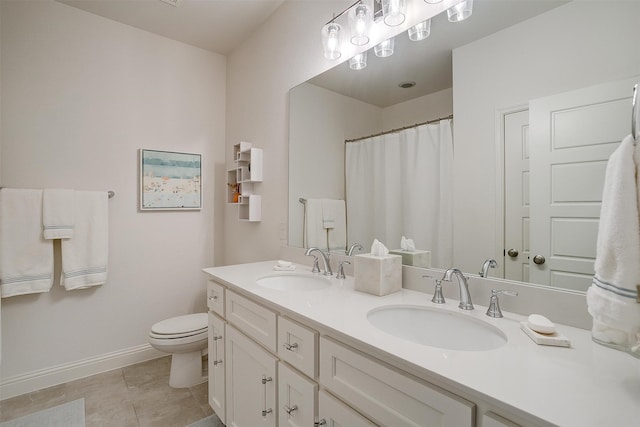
(450, 116)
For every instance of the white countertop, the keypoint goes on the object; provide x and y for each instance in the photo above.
(584, 385)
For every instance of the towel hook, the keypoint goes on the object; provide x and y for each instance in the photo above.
(634, 114)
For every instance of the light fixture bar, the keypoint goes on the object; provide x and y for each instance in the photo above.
(342, 13)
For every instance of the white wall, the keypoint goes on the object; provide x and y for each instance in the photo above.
(80, 95)
(320, 122)
(573, 46)
(418, 110)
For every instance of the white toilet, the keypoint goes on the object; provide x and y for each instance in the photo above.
(184, 337)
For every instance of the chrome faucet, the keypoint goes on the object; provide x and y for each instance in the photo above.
(325, 259)
(465, 297)
(358, 246)
(485, 267)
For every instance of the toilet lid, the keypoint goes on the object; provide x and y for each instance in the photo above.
(181, 324)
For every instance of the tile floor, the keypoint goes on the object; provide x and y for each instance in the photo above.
(134, 396)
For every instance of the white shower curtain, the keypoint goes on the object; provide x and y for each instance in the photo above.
(400, 184)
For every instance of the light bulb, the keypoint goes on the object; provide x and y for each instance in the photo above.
(359, 21)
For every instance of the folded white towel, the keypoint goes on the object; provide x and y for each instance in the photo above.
(315, 235)
(611, 299)
(58, 213)
(335, 222)
(26, 259)
(85, 257)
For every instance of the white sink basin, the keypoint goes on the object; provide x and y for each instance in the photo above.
(293, 282)
(436, 328)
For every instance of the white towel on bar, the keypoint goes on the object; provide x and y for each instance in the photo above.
(58, 213)
(85, 256)
(335, 222)
(611, 299)
(26, 258)
(315, 235)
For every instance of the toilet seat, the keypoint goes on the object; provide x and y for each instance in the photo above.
(180, 326)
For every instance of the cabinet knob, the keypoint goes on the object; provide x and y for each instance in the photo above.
(290, 409)
(290, 347)
(512, 253)
(213, 298)
(321, 422)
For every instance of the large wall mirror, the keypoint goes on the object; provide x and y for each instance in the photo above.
(515, 73)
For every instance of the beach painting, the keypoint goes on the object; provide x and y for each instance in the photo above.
(170, 181)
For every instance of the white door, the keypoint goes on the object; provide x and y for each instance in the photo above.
(216, 366)
(572, 136)
(516, 196)
(251, 382)
(297, 398)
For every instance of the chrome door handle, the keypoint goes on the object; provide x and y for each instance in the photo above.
(538, 259)
(512, 253)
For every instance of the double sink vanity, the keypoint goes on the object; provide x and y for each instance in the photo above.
(293, 348)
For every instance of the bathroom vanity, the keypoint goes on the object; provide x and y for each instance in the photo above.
(303, 355)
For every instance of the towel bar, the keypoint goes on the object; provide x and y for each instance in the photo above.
(634, 114)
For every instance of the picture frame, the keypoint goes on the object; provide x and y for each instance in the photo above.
(170, 180)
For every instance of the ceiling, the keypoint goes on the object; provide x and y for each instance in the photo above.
(428, 63)
(215, 25)
(221, 25)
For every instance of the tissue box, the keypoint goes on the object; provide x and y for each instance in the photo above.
(378, 275)
(414, 258)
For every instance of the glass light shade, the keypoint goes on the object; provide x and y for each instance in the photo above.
(460, 11)
(359, 22)
(385, 48)
(359, 61)
(394, 12)
(420, 31)
(331, 40)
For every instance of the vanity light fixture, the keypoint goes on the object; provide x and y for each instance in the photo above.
(359, 61)
(393, 12)
(433, 1)
(385, 48)
(420, 31)
(331, 40)
(359, 22)
(460, 11)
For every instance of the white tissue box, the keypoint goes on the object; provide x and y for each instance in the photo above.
(378, 275)
(414, 258)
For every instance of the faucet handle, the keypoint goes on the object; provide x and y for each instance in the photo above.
(340, 274)
(438, 298)
(494, 303)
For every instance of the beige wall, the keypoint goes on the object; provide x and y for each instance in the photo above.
(573, 46)
(80, 95)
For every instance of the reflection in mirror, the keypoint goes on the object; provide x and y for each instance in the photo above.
(518, 56)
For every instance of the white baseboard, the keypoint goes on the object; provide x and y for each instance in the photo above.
(43, 378)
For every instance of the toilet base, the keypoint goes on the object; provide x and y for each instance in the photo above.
(186, 369)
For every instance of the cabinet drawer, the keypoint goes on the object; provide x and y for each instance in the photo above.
(298, 346)
(254, 320)
(335, 413)
(388, 396)
(215, 298)
(297, 397)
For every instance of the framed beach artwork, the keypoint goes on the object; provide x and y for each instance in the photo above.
(170, 181)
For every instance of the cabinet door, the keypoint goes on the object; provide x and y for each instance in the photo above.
(216, 366)
(334, 413)
(297, 398)
(251, 382)
(388, 396)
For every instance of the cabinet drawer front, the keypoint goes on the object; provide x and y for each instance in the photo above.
(216, 366)
(389, 397)
(254, 320)
(337, 414)
(297, 398)
(298, 346)
(494, 420)
(215, 298)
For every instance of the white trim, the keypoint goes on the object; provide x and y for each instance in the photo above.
(54, 375)
(499, 166)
